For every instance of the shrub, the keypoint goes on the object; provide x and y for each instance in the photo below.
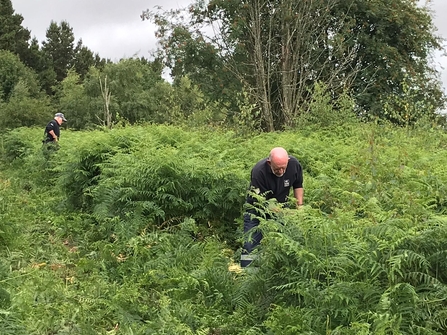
(15, 146)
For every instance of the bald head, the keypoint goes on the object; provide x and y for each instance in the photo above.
(278, 160)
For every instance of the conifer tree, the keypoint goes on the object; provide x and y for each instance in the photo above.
(58, 48)
(13, 36)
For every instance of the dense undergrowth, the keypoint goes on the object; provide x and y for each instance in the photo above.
(136, 231)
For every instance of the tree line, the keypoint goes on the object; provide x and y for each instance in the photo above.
(253, 64)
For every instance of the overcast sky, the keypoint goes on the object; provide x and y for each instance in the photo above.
(113, 28)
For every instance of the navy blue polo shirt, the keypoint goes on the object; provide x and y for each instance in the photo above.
(266, 183)
(52, 125)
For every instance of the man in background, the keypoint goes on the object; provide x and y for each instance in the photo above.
(52, 134)
(52, 130)
(271, 177)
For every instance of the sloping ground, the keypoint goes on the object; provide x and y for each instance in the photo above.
(135, 231)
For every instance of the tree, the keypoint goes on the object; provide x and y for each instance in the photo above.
(278, 50)
(12, 70)
(24, 110)
(131, 82)
(21, 101)
(77, 106)
(187, 52)
(395, 40)
(292, 46)
(106, 94)
(34, 56)
(58, 48)
(84, 59)
(13, 36)
(133, 90)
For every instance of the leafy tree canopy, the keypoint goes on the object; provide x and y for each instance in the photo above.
(279, 50)
(12, 70)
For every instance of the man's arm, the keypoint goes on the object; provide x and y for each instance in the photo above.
(51, 132)
(299, 196)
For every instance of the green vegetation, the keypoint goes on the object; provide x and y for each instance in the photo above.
(134, 226)
(276, 51)
(137, 230)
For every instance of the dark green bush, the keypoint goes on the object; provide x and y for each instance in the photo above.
(170, 175)
(15, 145)
(81, 167)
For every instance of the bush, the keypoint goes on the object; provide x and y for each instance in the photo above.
(82, 169)
(15, 146)
(324, 111)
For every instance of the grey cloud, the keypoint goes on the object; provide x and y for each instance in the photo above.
(439, 7)
(111, 28)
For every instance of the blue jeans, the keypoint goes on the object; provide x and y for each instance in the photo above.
(253, 241)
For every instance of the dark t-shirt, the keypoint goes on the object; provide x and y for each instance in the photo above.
(266, 183)
(52, 125)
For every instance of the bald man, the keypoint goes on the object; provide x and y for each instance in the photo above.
(271, 177)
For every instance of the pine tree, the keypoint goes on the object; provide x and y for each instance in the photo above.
(83, 59)
(58, 48)
(13, 36)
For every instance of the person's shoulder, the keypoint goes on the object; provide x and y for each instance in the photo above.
(260, 163)
(294, 160)
(53, 123)
(259, 166)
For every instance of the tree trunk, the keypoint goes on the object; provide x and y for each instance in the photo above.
(106, 94)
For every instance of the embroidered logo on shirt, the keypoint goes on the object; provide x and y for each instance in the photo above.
(286, 182)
